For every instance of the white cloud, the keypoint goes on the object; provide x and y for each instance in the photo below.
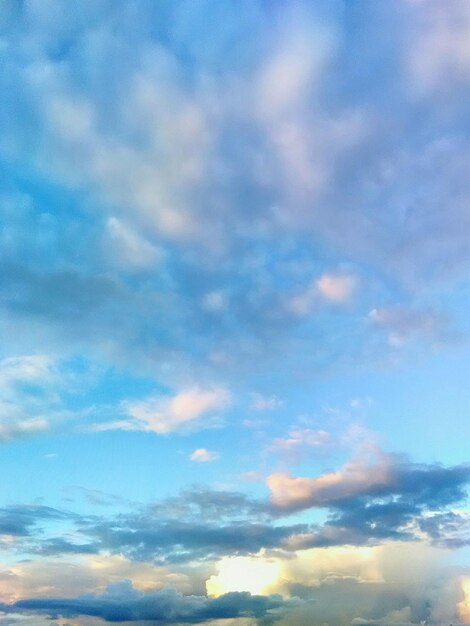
(28, 395)
(193, 408)
(23, 428)
(337, 288)
(36, 369)
(255, 574)
(332, 288)
(202, 455)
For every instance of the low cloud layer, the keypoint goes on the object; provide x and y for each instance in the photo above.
(122, 603)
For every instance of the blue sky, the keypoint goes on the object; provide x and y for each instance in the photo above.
(234, 312)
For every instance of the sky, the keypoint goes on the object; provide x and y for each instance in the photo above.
(234, 332)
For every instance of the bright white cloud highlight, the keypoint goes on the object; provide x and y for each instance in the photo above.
(244, 573)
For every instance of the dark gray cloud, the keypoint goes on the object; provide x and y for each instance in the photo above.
(450, 529)
(203, 503)
(59, 545)
(123, 603)
(175, 540)
(20, 520)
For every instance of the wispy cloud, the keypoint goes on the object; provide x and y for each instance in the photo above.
(193, 408)
(29, 395)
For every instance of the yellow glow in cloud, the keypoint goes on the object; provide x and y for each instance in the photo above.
(244, 573)
(464, 605)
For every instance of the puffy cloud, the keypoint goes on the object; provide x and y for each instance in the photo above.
(357, 478)
(257, 574)
(202, 455)
(337, 289)
(388, 476)
(464, 604)
(379, 585)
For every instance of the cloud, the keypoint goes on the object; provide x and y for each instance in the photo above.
(23, 428)
(299, 442)
(172, 540)
(214, 301)
(183, 411)
(439, 56)
(265, 403)
(255, 574)
(392, 580)
(219, 177)
(367, 504)
(335, 289)
(72, 575)
(202, 455)
(29, 395)
(187, 203)
(129, 248)
(404, 324)
(122, 602)
(370, 502)
(212, 505)
(355, 479)
(20, 520)
(388, 476)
